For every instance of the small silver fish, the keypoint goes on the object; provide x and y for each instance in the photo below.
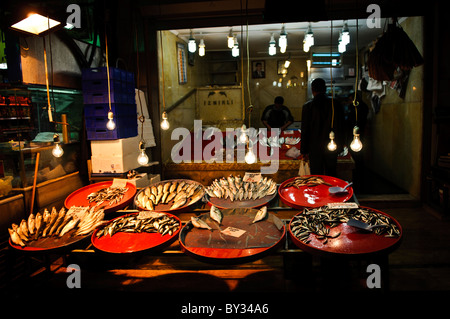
(260, 215)
(199, 223)
(216, 214)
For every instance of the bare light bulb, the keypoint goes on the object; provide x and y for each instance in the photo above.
(142, 158)
(356, 144)
(250, 157)
(57, 151)
(230, 40)
(110, 125)
(201, 48)
(332, 145)
(165, 123)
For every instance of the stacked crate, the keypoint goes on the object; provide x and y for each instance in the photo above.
(112, 151)
(96, 103)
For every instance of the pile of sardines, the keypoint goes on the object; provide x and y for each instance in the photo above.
(55, 224)
(175, 193)
(111, 194)
(235, 188)
(143, 222)
(308, 181)
(319, 221)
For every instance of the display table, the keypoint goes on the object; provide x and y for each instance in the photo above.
(171, 270)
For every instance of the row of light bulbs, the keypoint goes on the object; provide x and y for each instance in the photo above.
(308, 42)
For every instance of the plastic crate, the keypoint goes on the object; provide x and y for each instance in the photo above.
(126, 126)
(102, 74)
(102, 97)
(104, 134)
(102, 109)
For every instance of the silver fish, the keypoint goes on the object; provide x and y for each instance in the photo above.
(178, 203)
(260, 215)
(31, 223)
(199, 223)
(216, 214)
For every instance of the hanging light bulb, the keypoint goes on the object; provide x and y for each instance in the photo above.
(230, 39)
(192, 46)
(341, 46)
(282, 41)
(250, 157)
(235, 49)
(57, 151)
(345, 34)
(332, 145)
(142, 158)
(272, 46)
(243, 136)
(308, 40)
(164, 123)
(111, 125)
(201, 48)
(356, 144)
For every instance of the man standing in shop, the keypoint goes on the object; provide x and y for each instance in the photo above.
(320, 116)
(277, 115)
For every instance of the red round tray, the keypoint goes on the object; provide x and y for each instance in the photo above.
(79, 197)
(313, 196)
(351, 241)
(49, 244)
(197, 249)
(127, 243)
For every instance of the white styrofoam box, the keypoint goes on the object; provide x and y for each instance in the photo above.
(143, 180)
(118, 147)
(140, 99)
(148, 128)
(148, 133)
(114, 164)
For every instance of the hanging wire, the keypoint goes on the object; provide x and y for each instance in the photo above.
(162, 72)
(141, 117)
(355, 102)
(107, 70)
(331, 75)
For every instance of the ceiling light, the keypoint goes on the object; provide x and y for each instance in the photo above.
(272, 46)
(287, 63)
(35, 24)
(345, 34)
(282, 41)
(230, 39)
(308, 40)
(235, 49)
(201, 48)
(192, 46)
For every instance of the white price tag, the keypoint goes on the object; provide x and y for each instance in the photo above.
(342, 205)
(252, 177)
(232, 231)
(119, 182)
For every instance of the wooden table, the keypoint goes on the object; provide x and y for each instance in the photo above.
(289, 269)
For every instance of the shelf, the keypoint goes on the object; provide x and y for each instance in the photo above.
(14, 118)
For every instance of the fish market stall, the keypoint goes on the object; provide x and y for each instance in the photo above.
(171, 248)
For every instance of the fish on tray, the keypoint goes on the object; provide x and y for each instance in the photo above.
(234, 188)
(173, 193)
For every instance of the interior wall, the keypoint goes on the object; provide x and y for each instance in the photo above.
(394, 140)
(184, 114)
(263, 91)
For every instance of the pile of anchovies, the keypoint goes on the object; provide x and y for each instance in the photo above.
(320, 220)
(112, 194)
(153, 223)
